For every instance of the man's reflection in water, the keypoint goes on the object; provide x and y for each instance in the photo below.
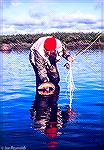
(47, 116)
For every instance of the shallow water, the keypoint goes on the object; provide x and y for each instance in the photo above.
(29, 121)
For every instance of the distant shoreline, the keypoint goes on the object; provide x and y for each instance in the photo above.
(70, 45)
(73, 40)
(17, 46)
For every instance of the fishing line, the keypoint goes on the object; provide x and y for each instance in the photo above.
(68, 65)
(71, 85)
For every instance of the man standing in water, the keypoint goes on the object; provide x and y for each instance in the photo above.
(44, 55)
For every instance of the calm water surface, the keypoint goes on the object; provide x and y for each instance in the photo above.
(31, 121)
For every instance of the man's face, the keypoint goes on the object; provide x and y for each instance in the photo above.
(50, 53)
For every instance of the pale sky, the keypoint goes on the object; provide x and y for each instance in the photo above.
(46, 16)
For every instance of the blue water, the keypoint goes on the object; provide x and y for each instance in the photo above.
(39, 123)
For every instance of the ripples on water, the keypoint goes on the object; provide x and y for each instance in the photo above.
(38, 122)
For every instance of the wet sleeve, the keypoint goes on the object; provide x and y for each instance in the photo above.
(66, 54)
(32, 56)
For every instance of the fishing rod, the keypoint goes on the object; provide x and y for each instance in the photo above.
(67, 65)
(82, 50)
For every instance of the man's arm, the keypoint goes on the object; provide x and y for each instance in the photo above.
(62, 50)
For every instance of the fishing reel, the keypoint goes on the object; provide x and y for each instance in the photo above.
(67, 65)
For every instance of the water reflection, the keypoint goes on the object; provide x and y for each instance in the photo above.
(47, 116)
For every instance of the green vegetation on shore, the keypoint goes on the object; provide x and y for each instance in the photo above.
(66, 37)
(72, 39)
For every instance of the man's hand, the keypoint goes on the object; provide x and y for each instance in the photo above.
(71, 58)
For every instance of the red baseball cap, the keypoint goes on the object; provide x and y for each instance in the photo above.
(50, 44)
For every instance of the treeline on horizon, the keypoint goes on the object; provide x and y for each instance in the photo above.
(63, 36)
